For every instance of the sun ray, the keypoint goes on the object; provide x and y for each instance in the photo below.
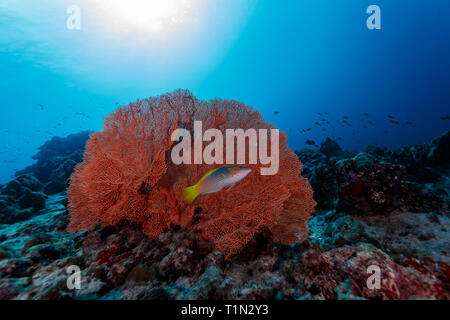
(152, 16)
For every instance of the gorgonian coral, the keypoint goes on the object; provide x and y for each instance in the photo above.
(127, 174)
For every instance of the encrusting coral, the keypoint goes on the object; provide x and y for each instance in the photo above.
(127, 174)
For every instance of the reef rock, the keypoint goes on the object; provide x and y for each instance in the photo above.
(21, 199)
(56, 160)
(330, 148)
(368, 186)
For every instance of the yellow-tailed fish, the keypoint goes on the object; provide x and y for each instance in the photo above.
(215, 180)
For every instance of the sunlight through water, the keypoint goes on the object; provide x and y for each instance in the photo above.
(149, 16)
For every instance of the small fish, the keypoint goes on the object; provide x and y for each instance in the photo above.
(310, 142)
(83, 114)
(276, 112)
(394, 122)
(345, 117)
(366, 114)
(320, 114)
(41, 106)
(325, 113)
(390, 117)
(369, 122)
(215, 180)
(317, 123)
(339, 138)
(309, 129)
(445, 118)
(409, 122)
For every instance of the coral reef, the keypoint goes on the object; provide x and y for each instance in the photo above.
(126, 264)
(407, 240)
(21, 199)
(368, 186)
(56, 160)
(127, 174)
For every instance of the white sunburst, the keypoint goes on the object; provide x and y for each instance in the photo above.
(151, 16)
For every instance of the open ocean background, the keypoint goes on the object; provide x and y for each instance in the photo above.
(290, 59)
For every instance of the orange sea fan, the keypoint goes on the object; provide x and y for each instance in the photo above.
(127, 174)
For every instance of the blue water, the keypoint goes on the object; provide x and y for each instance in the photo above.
(298, 58)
